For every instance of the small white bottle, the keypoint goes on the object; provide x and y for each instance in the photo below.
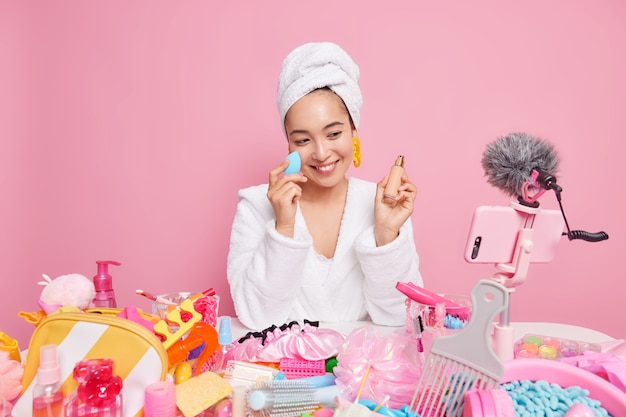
(48, 396)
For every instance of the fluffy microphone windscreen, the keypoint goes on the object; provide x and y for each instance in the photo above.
(509, 161)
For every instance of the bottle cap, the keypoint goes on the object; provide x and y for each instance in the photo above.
(49, 372)
(224, 337)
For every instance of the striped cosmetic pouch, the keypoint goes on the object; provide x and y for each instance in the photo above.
(139, 357)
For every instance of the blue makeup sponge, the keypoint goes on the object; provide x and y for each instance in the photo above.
(294, 163)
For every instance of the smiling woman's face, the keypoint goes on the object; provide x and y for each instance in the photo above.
(318, 127)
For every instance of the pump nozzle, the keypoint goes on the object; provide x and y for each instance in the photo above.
(103, 283)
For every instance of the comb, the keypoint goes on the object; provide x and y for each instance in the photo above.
(463, 361)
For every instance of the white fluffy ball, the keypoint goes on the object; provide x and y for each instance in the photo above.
(69, 290)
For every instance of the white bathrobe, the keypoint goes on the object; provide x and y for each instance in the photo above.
(275, 279)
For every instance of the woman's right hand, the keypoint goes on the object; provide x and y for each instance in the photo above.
(283, 193)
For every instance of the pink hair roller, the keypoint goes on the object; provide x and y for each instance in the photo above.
(160, 400)
(294, 368)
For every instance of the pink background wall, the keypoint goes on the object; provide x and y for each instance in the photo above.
(128, 127)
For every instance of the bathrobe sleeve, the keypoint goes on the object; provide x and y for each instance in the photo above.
(380, 267)
(264, 267)
(383, 267)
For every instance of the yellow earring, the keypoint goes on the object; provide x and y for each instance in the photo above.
(356, 158)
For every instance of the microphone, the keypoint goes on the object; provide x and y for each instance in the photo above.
(509, 163)
(547, 181)
(519, 162)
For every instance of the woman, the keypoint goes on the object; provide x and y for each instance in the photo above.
(320, 245)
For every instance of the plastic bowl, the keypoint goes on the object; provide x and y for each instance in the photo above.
(433, 327)
(161, 309)
(454, 319)
(611, 398)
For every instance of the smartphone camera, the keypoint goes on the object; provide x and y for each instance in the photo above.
(476, 247)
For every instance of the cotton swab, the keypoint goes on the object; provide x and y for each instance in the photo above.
(358, 395)
(383, 402)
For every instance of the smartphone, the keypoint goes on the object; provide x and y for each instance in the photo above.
(494, 229)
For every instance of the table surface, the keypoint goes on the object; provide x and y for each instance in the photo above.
(556, 330)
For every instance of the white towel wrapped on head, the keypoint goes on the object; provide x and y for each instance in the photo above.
(317, 65)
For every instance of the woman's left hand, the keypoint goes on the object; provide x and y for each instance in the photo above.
(389, 218)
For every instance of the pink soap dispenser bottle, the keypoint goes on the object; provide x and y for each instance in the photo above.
(48, 396)
(103, 283)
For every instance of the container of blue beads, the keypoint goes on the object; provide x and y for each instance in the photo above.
(432, 321)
